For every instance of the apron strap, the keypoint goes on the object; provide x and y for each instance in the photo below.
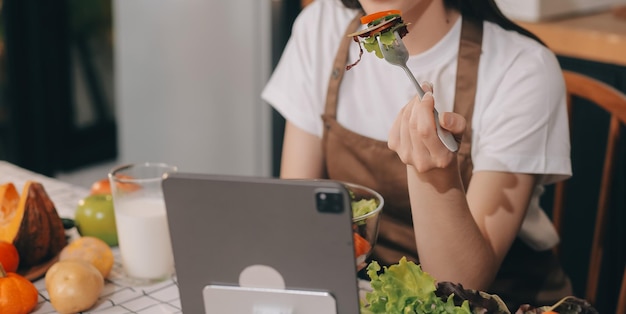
(332, 93)
(339, 67)
(465, 93)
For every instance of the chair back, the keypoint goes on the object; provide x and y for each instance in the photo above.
(614, 103)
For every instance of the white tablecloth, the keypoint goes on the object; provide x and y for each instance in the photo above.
(117, 296)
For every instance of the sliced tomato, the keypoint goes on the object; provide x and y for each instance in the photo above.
(375, 16)
(361, 246)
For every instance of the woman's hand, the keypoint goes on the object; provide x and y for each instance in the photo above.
(414, 137)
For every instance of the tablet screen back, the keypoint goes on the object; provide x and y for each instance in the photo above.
(222, 225)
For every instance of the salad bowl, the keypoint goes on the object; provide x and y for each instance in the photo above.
(367, 205)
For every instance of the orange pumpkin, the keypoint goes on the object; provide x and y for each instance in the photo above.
(32, 224)
(9, 201)
(9, 257)
(17, 294)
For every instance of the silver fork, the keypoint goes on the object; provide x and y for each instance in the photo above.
(397, 54)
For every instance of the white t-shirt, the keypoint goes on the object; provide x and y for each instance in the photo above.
(520, 117)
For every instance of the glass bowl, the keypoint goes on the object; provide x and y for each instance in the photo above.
(364, 225)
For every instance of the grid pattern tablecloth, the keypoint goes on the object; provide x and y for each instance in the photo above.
(117, 296)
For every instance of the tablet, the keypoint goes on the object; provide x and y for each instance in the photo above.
(261, 245)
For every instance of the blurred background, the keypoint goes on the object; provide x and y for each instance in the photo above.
(88, 84)
(56, 84)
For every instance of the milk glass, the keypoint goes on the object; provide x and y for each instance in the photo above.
(142, 229)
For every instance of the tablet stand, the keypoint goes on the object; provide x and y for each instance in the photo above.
(234, 299)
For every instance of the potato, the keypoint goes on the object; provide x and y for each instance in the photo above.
(92, 250)
(73, 286)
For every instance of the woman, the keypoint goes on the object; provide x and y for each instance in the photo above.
(473, 217)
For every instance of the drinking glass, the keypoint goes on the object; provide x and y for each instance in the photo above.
(142, 228)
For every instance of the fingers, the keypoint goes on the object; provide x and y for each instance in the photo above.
(424, 131)
(453, 122)
(427, 87)
(422, 119)
(414, 138)
(400, 137)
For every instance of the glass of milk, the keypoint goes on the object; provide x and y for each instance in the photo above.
(142, 229)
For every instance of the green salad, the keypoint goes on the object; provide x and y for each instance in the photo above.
(387, 37)
(381, 25)
(404, 288)
(363, 207)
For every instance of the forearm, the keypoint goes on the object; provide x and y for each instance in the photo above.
(450, 244)
(302, 154)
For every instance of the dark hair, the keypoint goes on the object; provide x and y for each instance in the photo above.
(483, 10)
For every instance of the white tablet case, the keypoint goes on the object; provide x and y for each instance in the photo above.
(260, 245)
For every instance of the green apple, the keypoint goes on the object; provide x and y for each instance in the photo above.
(95, 217)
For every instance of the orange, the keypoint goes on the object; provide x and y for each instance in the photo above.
(17, 294)
(91, 250)
(103, 186)
(9, 257)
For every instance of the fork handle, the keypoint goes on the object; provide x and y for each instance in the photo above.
(417, 85)
(446, 137)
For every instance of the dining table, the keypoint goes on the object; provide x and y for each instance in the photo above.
(118, 296)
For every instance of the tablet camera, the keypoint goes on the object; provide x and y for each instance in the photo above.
(329, 202)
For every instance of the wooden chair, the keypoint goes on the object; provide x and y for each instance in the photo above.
(614, 103)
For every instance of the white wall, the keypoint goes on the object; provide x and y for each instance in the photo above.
(188, 75)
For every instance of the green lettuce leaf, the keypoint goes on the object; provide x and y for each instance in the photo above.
(363, 207)
(404, 288)
(387, 38)
(371, 45)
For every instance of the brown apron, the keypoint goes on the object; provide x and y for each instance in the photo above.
(351, 157)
